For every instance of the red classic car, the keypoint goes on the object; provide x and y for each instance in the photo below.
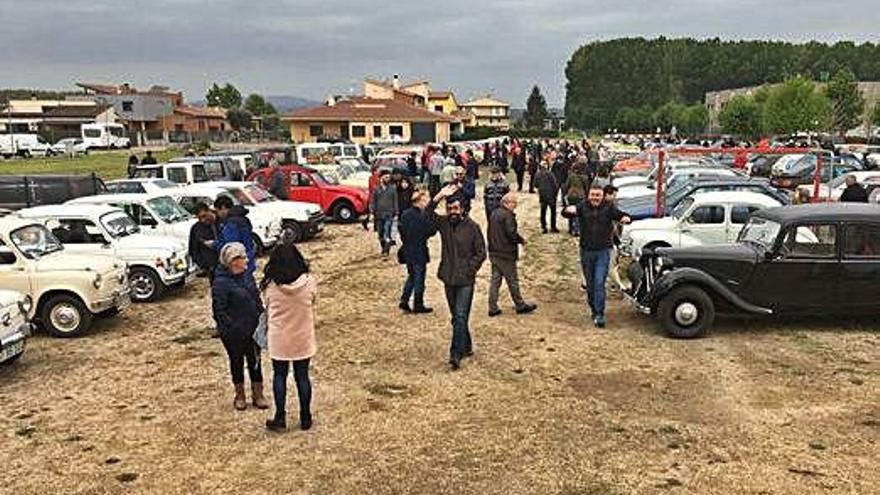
(344, 203)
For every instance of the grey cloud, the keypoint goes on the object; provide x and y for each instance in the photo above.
(315, 47)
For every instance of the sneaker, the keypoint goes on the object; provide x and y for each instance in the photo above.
(454, 363)
(494, 312)
(421, 310)
(554, 230)
(599, 321)
(305, 424)
(526, 309)
(404, 307)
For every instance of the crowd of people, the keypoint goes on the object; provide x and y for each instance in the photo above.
(277, 315)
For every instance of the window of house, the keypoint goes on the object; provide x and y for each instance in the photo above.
(358, 131)
(707, 215)
(862, 241)
(438, 108)
(377, 131)
(316, 130)
(127, 106)
(395, 130)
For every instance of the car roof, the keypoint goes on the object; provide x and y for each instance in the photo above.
(138, 180)
(823, 212)
(124, 197)
(227, 183)
(84, 210)
(205, 188)
(736, 197)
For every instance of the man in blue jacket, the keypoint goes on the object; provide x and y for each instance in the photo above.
(415, 230)
(235, 227)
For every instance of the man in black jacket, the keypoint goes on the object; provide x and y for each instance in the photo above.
(463, 252)
(504, 241)
(202, 236)
(596, 217)
(495, 189)
(415, 230)
(854, 193)
(548, 190)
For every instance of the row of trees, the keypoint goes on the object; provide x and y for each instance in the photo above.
(603, 78)
(240, 112)
(797, 105)
(687, 119)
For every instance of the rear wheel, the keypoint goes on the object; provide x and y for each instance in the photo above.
(65, 316)
(145, 285)
(344, 212)
(687, 312)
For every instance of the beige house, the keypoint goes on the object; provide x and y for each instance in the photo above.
(489, 112)
(365, 119)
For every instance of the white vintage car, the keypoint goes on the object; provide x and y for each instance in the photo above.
(156, 263)
(14, 326)
(157, 214)
(68, 290)
(302, 220)
(707, 218)
(266, 226)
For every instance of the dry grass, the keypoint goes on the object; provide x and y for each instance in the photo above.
(547, 405)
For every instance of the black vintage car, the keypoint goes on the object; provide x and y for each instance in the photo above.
(792, 260)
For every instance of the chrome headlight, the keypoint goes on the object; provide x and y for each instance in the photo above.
(662, 263)
(25, 305)
(99, 280)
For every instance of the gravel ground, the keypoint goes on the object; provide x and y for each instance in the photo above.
(547, 405)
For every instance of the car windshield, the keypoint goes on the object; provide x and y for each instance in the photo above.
(760, 231)
(259, 194)
(682, 208)
(167, 209)
(118, 224)
(35, 241)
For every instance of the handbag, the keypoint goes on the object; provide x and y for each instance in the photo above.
(260, 337)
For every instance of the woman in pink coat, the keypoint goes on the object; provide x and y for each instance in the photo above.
(289, 295)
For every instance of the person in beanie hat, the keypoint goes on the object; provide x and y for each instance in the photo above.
(237, 308)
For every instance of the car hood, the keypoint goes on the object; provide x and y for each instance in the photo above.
(151, 242)
(730, 264)
(9, 297)
(349, 190)
(292, 207)
(665, 224)
(70, 262)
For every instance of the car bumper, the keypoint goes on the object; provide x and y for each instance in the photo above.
(13, 344)
(315, 225)
(119, 301)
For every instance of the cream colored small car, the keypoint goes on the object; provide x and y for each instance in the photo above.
(67, 290)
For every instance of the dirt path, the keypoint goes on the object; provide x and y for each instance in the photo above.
(547, 405)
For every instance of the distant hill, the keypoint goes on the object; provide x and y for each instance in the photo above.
(284, 103)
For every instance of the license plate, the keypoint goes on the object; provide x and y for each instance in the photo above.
(12, 350)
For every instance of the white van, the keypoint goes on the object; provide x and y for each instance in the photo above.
(26, 145)
(104, 135)
(312, 153)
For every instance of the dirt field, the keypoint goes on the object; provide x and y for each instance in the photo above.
(548, 405)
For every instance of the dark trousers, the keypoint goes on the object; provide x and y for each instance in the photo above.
(434, 185)
(303, 388)
(415, 284)
(503, 268)
(532, 180)
(241, 349)
(520, 177)
(459, 299)
(544, 208)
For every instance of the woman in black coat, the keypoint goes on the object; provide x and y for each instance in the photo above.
(237, 308)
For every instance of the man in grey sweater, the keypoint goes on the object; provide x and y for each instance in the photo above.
(383, 207)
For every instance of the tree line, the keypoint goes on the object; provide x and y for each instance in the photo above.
(240, 111)
(619, 82)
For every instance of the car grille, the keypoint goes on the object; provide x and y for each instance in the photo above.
(317, 217)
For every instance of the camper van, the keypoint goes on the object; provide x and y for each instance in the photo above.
(26, 145)
(104, 135)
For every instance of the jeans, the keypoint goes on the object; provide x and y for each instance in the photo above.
(241, 349)
(384, 227)
(459, 299)
(595, 265)
(303, 388)
(415, 284)
(506, 269)
(544, 208)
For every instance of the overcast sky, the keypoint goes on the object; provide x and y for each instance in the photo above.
(313, 48)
